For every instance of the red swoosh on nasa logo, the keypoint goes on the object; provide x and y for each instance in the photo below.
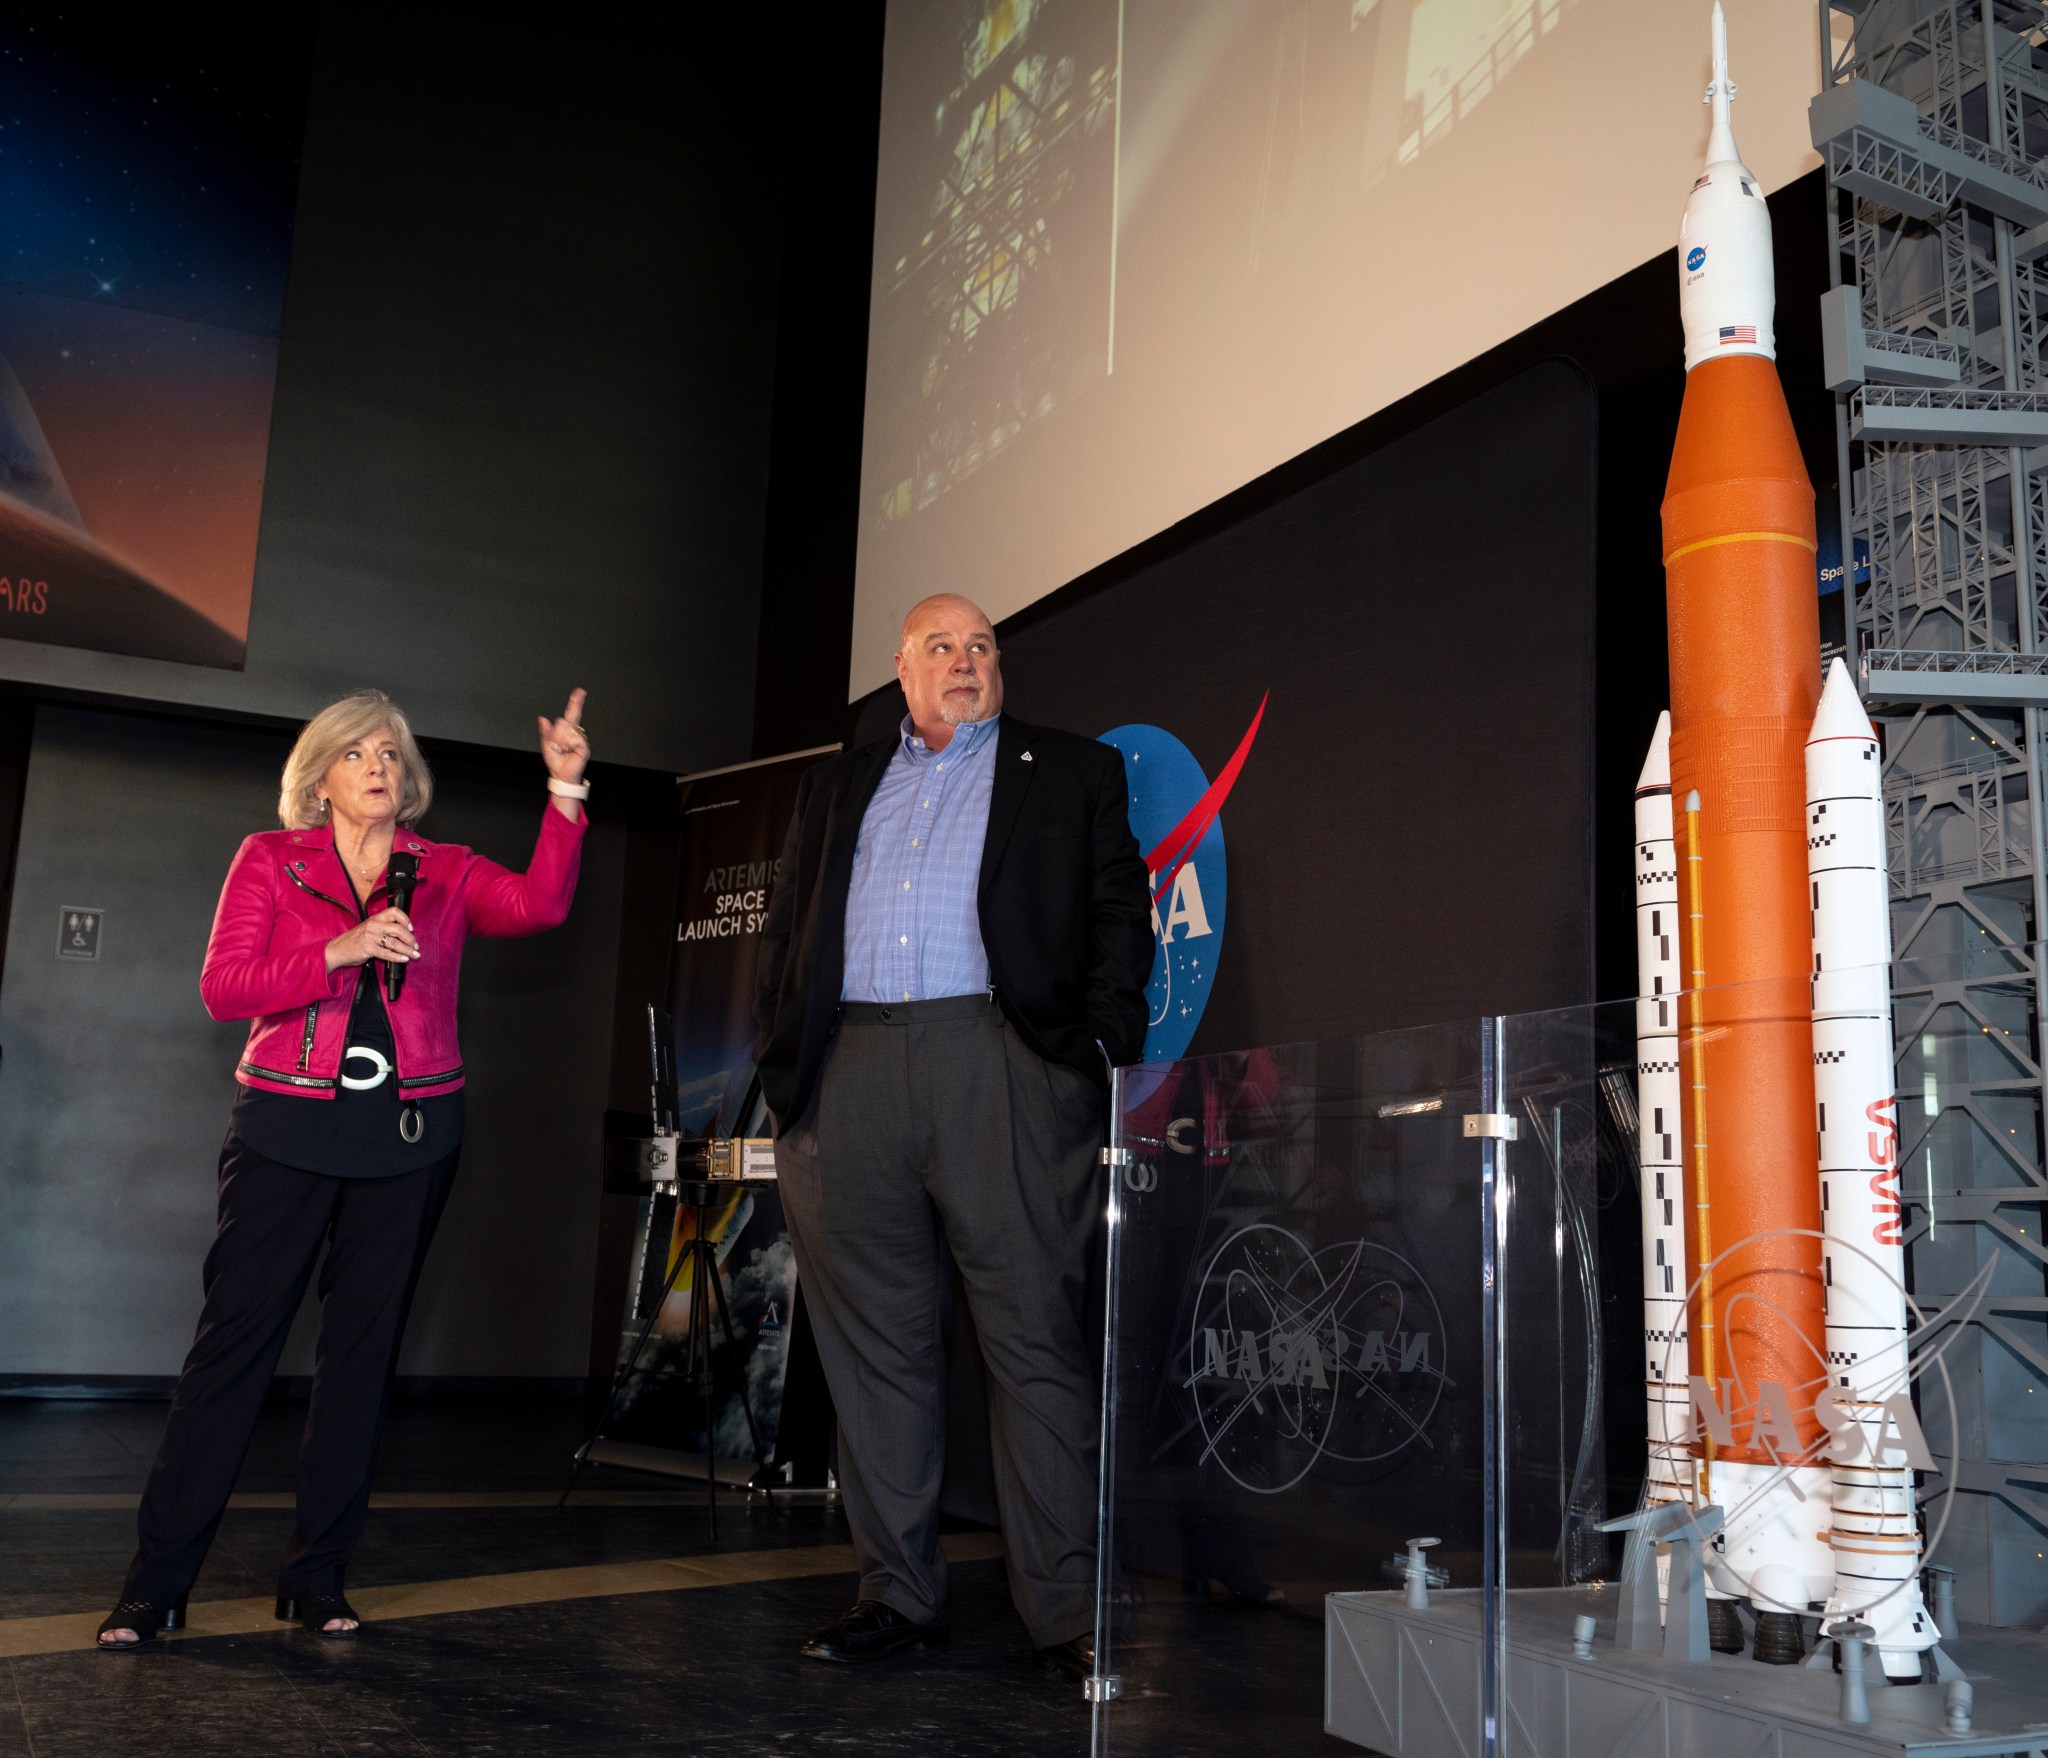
(1178, 845)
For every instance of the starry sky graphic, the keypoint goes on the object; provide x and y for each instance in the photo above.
(153, 166)
(148, 175)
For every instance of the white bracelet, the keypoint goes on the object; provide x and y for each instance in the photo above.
(569, 790)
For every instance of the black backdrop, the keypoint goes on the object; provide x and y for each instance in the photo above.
(1410, 839)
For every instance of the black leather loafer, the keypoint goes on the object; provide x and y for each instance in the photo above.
(872, 1631)
(1074, 1657)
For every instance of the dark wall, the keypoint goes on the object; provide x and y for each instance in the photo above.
(520, 438)
(115, 1086)
(521, 442)
(1408, 837)
(820, 386)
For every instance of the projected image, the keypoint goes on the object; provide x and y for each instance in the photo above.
(999, 228)
(1456, 52)
(147, 180)
(1132, 254)
(1001, 308)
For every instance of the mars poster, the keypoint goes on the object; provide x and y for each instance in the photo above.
(147, 182)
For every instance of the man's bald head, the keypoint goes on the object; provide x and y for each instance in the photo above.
(942, 610)
(949, 666)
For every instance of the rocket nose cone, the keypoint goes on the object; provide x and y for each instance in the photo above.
(1657, 765)
(1840, 715)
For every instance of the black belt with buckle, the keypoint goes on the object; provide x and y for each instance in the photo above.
(945, 1007)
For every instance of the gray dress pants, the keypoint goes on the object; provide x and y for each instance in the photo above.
(939, 1137)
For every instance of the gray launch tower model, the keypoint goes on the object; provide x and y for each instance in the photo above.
(1933, 127)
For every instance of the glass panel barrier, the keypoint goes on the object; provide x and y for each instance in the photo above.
(1698, 1348)
(1293, 1379)
(1569, 1309)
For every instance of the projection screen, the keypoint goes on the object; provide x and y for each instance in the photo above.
(1131, 254)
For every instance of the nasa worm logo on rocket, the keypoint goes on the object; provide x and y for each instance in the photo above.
(1176, 813)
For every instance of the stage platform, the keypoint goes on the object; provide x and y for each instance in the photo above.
(496, 1626)
(1406, 1684)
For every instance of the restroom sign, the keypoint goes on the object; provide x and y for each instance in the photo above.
(78, 931)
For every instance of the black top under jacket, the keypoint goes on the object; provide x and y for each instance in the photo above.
(1066, 912)
(356, 1133)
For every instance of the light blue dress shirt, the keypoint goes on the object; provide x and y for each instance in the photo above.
(913, 925)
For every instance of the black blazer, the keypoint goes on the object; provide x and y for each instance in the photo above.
(1066, 910)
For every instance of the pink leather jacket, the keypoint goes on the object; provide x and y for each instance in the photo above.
(287, 894)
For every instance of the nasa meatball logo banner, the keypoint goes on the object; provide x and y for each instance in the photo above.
(1176, 813)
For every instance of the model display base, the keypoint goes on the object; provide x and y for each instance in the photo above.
(1405, 1682)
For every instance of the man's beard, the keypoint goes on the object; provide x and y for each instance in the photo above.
(954, 712)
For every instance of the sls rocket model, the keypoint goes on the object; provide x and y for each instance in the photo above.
(1875, 1538)
(1745, 674)
(1665, 1277)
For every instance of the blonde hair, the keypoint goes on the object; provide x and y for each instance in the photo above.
(327, 735)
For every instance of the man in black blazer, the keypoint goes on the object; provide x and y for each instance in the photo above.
(957, 947)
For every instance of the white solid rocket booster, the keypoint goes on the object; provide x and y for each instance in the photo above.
(1658, 979)
(1875, 1539)
(1727, 295)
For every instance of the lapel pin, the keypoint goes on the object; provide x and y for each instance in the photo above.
(1027, 756)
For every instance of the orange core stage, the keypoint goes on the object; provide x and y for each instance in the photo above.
(1745, 680)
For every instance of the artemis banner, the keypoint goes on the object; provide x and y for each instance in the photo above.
(733, 825)
(734, 821)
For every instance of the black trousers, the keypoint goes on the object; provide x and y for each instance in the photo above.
(938, 1139)
(273, 1221)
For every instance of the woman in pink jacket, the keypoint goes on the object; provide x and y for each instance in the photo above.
(345, 1132)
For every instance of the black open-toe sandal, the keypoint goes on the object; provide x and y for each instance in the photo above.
(144, 1618)
(311, 1612)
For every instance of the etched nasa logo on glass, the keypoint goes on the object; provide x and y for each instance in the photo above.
(1297, 1355)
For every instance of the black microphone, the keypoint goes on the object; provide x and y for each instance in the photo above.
(401, 874)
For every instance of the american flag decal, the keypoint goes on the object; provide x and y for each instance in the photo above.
(1738, 333)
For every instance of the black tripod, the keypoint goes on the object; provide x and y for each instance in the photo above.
(706, 1291)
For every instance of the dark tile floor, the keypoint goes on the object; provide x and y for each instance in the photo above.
(710, 1671)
